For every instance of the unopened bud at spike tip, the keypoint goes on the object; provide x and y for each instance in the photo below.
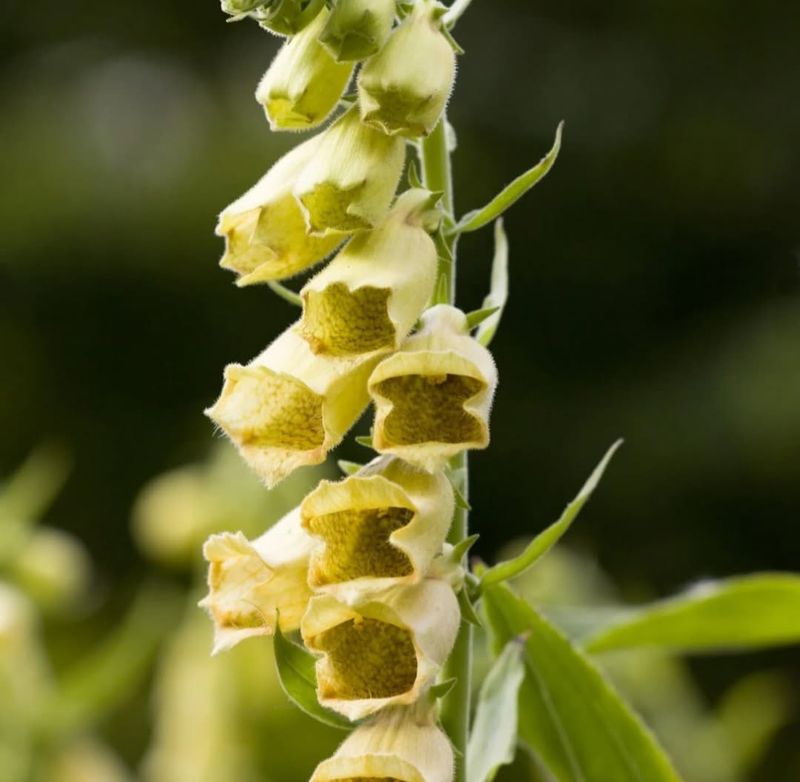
(287, 17)
(357, 29)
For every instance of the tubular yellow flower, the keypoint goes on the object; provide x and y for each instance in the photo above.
(380, 653)
(350, 182)
(303, 83)
(265, 232)
(286, 17)
(398, 745)
(371, 295)
(288, 407)
(404, 88)
(380, 528)
(249, 583)
(357, 28)
(433, 396)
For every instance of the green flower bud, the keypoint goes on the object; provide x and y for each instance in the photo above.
(404, 88)
(240, 7)
(351, 180)
(357, 29)
(286, 17)
(304, 83)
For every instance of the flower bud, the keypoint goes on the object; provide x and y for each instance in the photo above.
(241, 7)
(265, 232)
(288, 407)
(380, 528)
(372, 293)
(250, 583)
(380, 653)
(286, 17)
(404, 88)
(352, 178)
(303, 83)
(433, 396)
(357, 28)
(397, 744)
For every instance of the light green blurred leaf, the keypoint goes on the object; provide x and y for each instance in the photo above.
(498, 288)
(512, 192)
(737, 613)
(296, 672)
(493, 738)
(545, 540)
(569, 714)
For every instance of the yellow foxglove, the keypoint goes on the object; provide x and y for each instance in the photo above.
(249, 584)
(288, 407)
(433, 396)
(398, 744)
(373, 292)
(303, 83)
(351, 180)
(265, 231)
(404, 87)
(357, 28)
(380, 653)
(285, 17)
(381, 527)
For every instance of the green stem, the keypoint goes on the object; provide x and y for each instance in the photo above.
(456, 706)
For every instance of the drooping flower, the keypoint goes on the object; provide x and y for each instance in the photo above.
(357, 28)
(383, 652)
(404, 88)
(397, 745)
(372, 293)
(433, 396)
(349, 184)
(381, 527)
(286, 17)
(252, 583)
(303, 83)
(265, 232)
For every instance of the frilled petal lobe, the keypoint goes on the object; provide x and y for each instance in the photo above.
(433, 396)
(369, 297)
(379, 528)
(265, 231)
(250, 584)
(380, 653)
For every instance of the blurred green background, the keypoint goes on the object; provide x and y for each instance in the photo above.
(655, 273)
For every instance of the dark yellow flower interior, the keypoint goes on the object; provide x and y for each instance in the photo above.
(397, 111)
(327, 207)
(368, 659)
(340, 321)
(430, 408)
(357, 545)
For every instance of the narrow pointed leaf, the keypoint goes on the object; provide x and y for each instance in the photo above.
(569, 713)
(296, 672)
(461, 549)
(511, 193)
(736, 613)
(545, 540)
(498, 290)
(493, 738)
(468, 613)
(365, 440)
(442, 689)
(476, 317)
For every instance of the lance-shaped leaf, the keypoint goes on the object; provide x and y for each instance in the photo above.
(737, 613)
(545, 540)
(493, 739)
(498, 292)
(511, 193)
(569, 713)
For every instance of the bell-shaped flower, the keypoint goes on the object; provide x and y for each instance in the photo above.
(357, 29)
(397, 745)
(303, 83)
(288, 407)
(433, 396)
(404, 87)
(373, 292)
(250, 584)
(265, 231)
(286, 17)
(380, 528)
(383, 652)
(351, 180)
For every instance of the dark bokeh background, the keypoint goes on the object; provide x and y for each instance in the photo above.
(655, 271)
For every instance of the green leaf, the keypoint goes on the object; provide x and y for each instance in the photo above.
(297, 675)
(498, 290)
(737, 613)
(476, 317)
(545, 540)
(285, 293)
(442, 689)
(365, 440)
(468, 613)
(569, 713)
(511, 193)
(413, 175)
(493, 738)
